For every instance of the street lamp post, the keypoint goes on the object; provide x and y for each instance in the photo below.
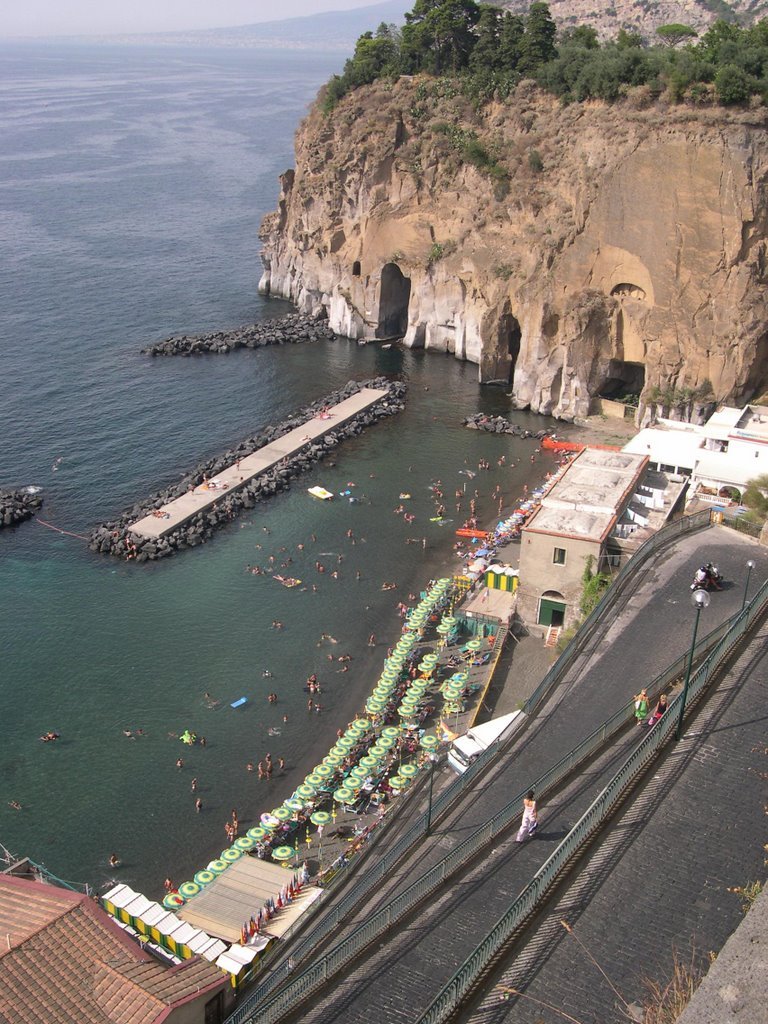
(433, 762)
(700, 600)
(750, 567)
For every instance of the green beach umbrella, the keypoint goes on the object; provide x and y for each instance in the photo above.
(189, 889)
(375, 705)
(442, 629)
(339, 751)
(399, 782)
(282, 813)
(333, 759)
(405, 711)
(474, 645)
(282, 853)
(244, 843)
(258, 832)
(408, 770)
(361, 723)
(377, 751)
(449, 620)
(313, 779)
(320, 818)
(218, 866)
(204, 877)
(429, 742)
(231, 855)
(294, 805)
(391, 732)
(305, 791)
(346, 742)
(427, 667)
(369, 761)
(344, 794)
(460, 677)
(324, 771)
(387, 741)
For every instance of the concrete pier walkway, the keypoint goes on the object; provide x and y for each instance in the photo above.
(169, 517)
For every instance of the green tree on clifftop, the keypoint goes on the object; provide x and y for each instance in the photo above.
(538, 45)
(438, 35)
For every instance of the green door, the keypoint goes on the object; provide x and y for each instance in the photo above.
(551, 613)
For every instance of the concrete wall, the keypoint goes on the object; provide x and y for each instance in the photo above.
(538, 573)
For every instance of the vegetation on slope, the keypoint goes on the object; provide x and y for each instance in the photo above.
(490, 50)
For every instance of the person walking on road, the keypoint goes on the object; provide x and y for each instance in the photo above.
(530, 820)
(641, 706)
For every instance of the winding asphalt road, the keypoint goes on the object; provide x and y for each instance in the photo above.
(399, 976)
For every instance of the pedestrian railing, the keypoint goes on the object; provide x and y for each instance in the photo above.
(404, 903)
(464, 979)
(384, 865)
(698, 521)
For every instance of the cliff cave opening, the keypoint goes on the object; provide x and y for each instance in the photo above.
(624, 380)
(394, 297)
(509, 341)
(356, 268)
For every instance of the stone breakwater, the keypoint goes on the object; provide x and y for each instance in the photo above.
(500, 425)
(291, 329)
(115, 538)
(16, 506)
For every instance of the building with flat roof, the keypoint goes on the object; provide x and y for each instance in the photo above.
(601, 507)
(720, 456)
(63, 959)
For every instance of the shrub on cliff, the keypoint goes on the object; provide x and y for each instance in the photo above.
(487, 50)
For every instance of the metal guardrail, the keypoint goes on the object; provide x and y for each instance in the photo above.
(379, 923)
(443, 801)
(698, 521)
(464, 979)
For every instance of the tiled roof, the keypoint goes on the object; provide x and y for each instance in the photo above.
(63, 961)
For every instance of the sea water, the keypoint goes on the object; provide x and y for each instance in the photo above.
(132, 184)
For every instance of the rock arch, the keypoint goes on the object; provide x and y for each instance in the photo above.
(394, 297)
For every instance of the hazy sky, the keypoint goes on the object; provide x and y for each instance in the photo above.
(76, 17)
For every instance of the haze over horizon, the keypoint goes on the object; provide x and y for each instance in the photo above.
(113, 17)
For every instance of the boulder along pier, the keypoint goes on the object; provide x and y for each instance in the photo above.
(186, 514)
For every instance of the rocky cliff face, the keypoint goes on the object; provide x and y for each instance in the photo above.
(646, 16)
(568, 251)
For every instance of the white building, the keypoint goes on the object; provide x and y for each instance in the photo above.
(720, 456)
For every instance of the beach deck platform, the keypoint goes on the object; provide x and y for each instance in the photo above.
(175, 513)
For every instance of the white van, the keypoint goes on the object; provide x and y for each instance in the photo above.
(467, 748)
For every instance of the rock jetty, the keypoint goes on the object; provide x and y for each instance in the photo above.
(115, 538)
(499, 425)
(16, 506)
(290, 329)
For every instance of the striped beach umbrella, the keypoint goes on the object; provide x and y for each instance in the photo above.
(231, 855)
(293, 804)
(344, 794)
(429, 742)
(244, 843)
(282, 853)
(391, 732)
(313, 779)
(305, 791)
(218, 866)
(334, 760)
(369, 761)
(282, 813)
(258, 832)
(204, 877)
(320, 818)
(324, 771)
(408, 770)
(358, 772)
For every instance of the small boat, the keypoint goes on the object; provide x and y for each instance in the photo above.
(320, 492)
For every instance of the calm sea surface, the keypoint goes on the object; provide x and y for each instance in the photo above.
(132, 183)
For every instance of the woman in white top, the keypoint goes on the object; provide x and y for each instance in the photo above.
(530, 820)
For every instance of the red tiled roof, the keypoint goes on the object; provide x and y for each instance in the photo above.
(62, 959)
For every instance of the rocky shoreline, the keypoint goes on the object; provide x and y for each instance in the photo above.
(500, 425)
(18, 505)
(114, 537)
(291, 329)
